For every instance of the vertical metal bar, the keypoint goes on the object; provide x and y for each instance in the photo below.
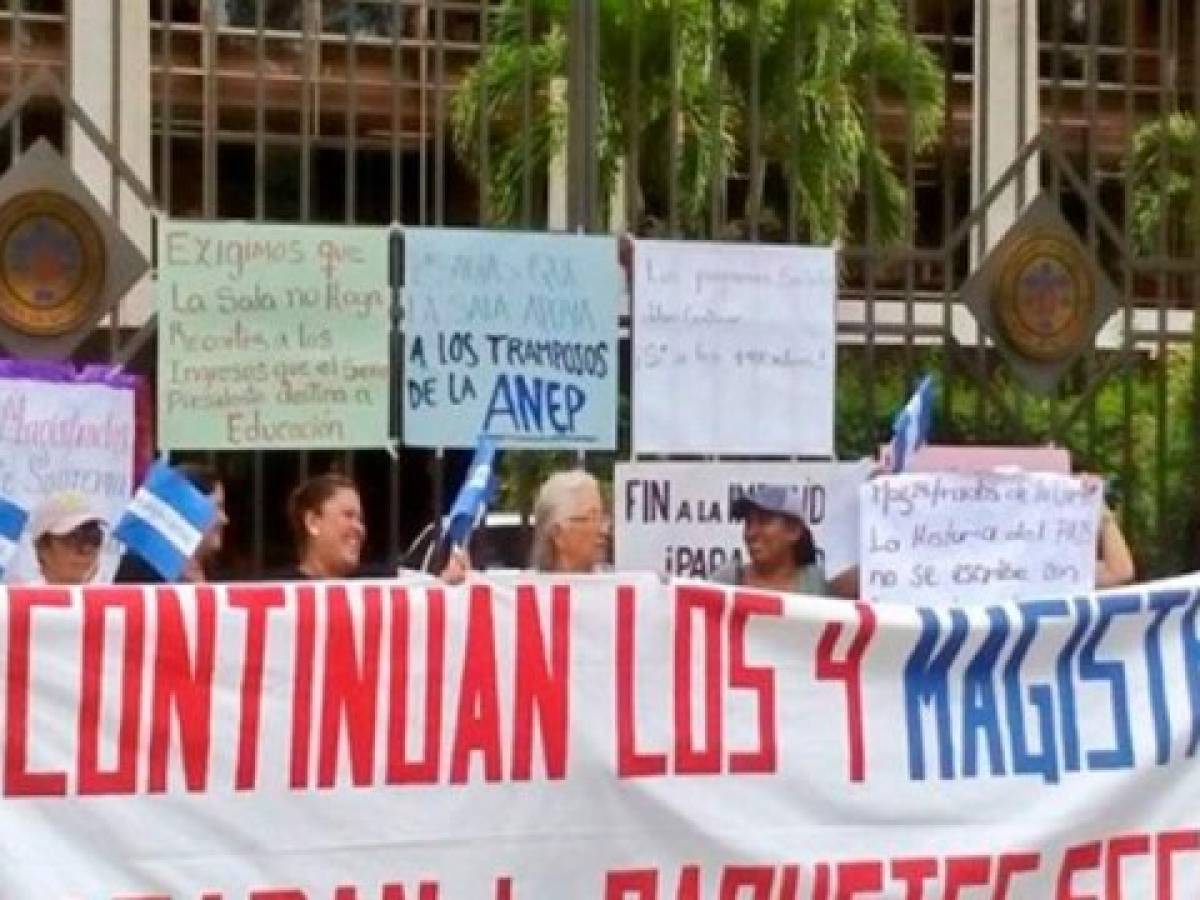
(351, 76)
(439, 115)
(527, 114)
(1057, 94)
(673, 128)
(754, 135)
(208, 132)
(423, 140)
(715, 88)
(1022, 100)
(14, 49)
(310, 37)
(114, 136)
(872, 233)
(1127, 281)
(1191, 555)
(947, 177)
(397, 115)
(1167, 24)
(1092, 106)
(793, 215)
(910, 191)
(984, 50)
(633, 124)
(166, 124)
(485, 175)
(582, 113)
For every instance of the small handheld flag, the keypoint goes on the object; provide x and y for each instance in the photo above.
(910, 429)
(165, 521)
(13, 519)
(473, 497)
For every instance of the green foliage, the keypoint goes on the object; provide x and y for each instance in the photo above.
(821, 64)
(1163, 171)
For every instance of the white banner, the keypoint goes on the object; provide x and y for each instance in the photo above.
(675, 518)
(65, 436)
(733, 349)
(977, 537)
(603, 737)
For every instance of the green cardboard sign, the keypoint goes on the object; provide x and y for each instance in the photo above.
(272, 336)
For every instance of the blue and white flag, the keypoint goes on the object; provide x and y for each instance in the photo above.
(13, 519)
(474, 496)
(910, 429)
(165, 520)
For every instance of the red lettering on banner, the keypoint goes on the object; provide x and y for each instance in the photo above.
(758, 878)
(966, 871)
(849, 672)
(350, 687)
(97, 603)
(279, 894)
(821, 882)
(914, 873)
(302, 685)
(19, 781)
(426, 890)
(1119, 849)
(631, 763)
(541, 685)
(477, 728)
(710, 603)
(689, 884)
(1009, 865)
(1167, 845)
(631, 884)
(424, 769)
(185, 685)
(857, 877)
(789, 888)
(257, 603)
(1082, 858)
(759, 680)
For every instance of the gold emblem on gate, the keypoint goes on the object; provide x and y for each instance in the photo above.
(1045, 297)
(52, 262)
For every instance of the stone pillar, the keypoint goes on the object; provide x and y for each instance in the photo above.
(117, 98)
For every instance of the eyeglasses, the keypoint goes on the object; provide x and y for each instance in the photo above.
(592, 518)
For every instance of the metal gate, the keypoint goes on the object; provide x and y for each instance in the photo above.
(869, 122)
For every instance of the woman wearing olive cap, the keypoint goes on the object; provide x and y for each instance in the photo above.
(780, 552)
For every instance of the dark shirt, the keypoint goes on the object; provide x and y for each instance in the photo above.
(132, 569)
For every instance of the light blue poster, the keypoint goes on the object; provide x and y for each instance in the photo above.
(510, 334)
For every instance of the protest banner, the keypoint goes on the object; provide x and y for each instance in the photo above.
(744, 331)
(62, 431)
(674, 517)
(594, 737)
(272, 336)
(512, 335)
(979, 537)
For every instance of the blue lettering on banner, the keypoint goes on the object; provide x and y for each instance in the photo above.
(981, 717)
(1163, 603)
(1035, 730)
(1091, 669)
(1065, 671)
(1041, 697)
(926, 680)
(532, 405)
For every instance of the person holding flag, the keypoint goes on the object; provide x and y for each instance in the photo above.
(174, 526)
(68, 533)
(911, 427)
(13, 519)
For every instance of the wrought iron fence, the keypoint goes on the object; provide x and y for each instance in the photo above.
(861, 121)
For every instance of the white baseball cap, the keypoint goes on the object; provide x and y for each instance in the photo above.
(63, 512)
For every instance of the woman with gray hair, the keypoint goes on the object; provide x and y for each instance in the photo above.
(570, 524)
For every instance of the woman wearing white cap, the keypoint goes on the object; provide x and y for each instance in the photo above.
(780, 552)
(67, 536)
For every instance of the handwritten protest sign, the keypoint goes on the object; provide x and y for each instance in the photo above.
(66, 435)
(594, 738)
(978, 538)
(511, 335)
(675, 518)
(272, 336)
(745, 334)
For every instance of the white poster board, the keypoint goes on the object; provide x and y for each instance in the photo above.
(733, 349)
(674, 517)
(65, 436)
(986, 537)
